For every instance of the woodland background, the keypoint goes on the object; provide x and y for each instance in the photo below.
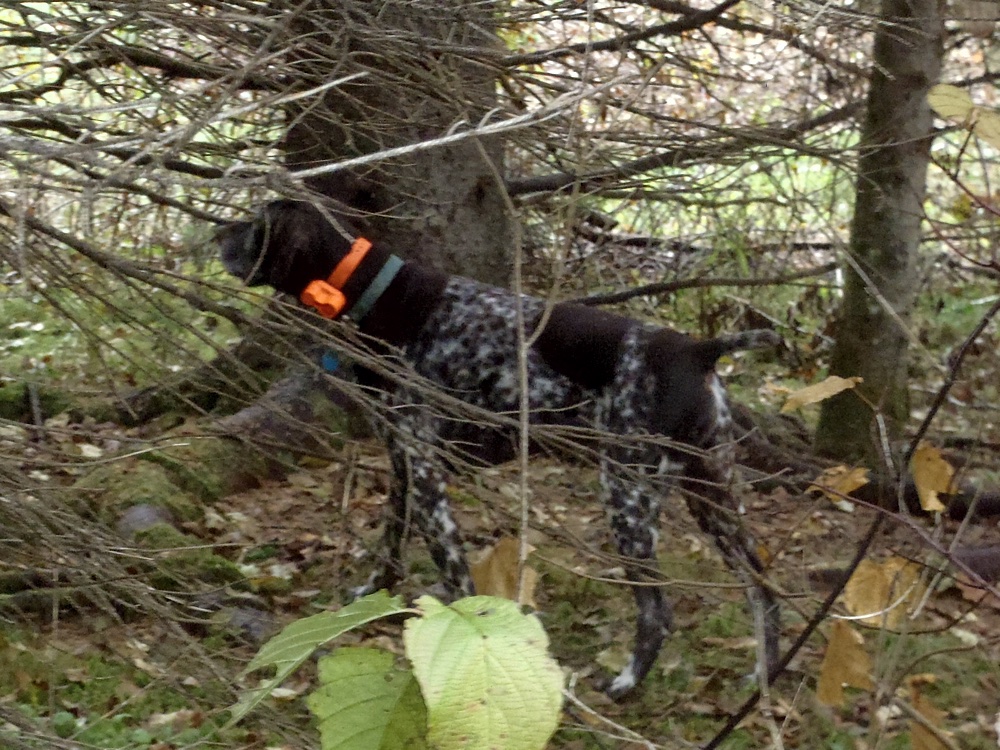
(178, 477)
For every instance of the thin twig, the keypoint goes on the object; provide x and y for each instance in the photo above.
(666, 287)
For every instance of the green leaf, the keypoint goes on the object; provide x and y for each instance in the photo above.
(485, 673)
(366, 703)
(955, 104)
(293, 645)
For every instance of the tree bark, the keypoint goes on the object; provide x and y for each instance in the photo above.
(871, 337)
(443, 206)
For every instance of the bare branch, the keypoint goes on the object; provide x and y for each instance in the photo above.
(692, 21)
(667, 287)
(784, 136)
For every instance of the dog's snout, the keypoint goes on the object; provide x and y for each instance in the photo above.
(237, 250)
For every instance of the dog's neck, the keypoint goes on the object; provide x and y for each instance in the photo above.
(393, 312)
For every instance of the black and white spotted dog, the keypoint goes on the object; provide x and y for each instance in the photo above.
(586, 367)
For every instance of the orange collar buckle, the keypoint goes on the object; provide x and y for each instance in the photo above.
(325, 296)
(325, 299)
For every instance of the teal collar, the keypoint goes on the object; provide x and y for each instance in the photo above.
(375, 290)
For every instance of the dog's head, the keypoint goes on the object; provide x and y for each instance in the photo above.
(287, 245)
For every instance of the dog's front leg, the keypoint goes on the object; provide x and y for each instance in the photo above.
(389, 570)
(418, 498)
(427, 503)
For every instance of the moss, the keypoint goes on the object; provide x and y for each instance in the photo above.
(110, 489)
(14, 404)
(212, 468)
(13, 401)
(185, 558)
(337, 420)
(460, 496)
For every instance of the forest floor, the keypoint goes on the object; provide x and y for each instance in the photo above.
(304, 541)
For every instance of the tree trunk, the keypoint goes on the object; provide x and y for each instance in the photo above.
(871, 339)
(442, 206)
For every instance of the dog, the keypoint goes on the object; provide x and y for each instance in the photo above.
(652, 393)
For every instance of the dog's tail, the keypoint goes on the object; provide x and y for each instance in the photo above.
(711, 349)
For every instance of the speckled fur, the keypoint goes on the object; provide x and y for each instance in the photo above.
(636, 384)
(468, 346)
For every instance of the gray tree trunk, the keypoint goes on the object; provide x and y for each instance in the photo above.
(885, 233)
(442, 206)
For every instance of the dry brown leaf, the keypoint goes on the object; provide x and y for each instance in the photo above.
(885, 592)
(496, 573)
(819, 392)
(845, 663)
(738, 643)
(838, 481)
(975, 593)
(921, 738)
(932, 475)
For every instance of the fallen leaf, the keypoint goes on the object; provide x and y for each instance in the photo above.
(87, 450)
(838, 481)
(932, 475)
(973, 592)
(819, 392)
(845, 663)
(740, 643)
(922, 738)
(496, 573)
(78, 675)
(884, 592)
(176, 720)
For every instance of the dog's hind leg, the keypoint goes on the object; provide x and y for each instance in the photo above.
(715, 509)
(635, 522)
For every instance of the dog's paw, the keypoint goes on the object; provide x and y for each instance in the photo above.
(623, 684)
(383, 578)
(361, 591)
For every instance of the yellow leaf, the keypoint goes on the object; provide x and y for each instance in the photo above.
(819, 392)
(955, 104)
(884, 592)
(932, 475)
(845, 663)
(922, 738)
(951, 102)
(838, 481)
(987, 127)
(496, 573)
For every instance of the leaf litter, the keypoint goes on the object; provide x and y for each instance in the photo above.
(321, 528)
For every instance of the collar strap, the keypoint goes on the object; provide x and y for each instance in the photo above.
(326, 296)
(379, 284)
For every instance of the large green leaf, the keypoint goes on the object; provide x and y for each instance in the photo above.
(293, 645)
(485, 673)
(366, 703)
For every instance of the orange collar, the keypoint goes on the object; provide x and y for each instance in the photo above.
(326, 296)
